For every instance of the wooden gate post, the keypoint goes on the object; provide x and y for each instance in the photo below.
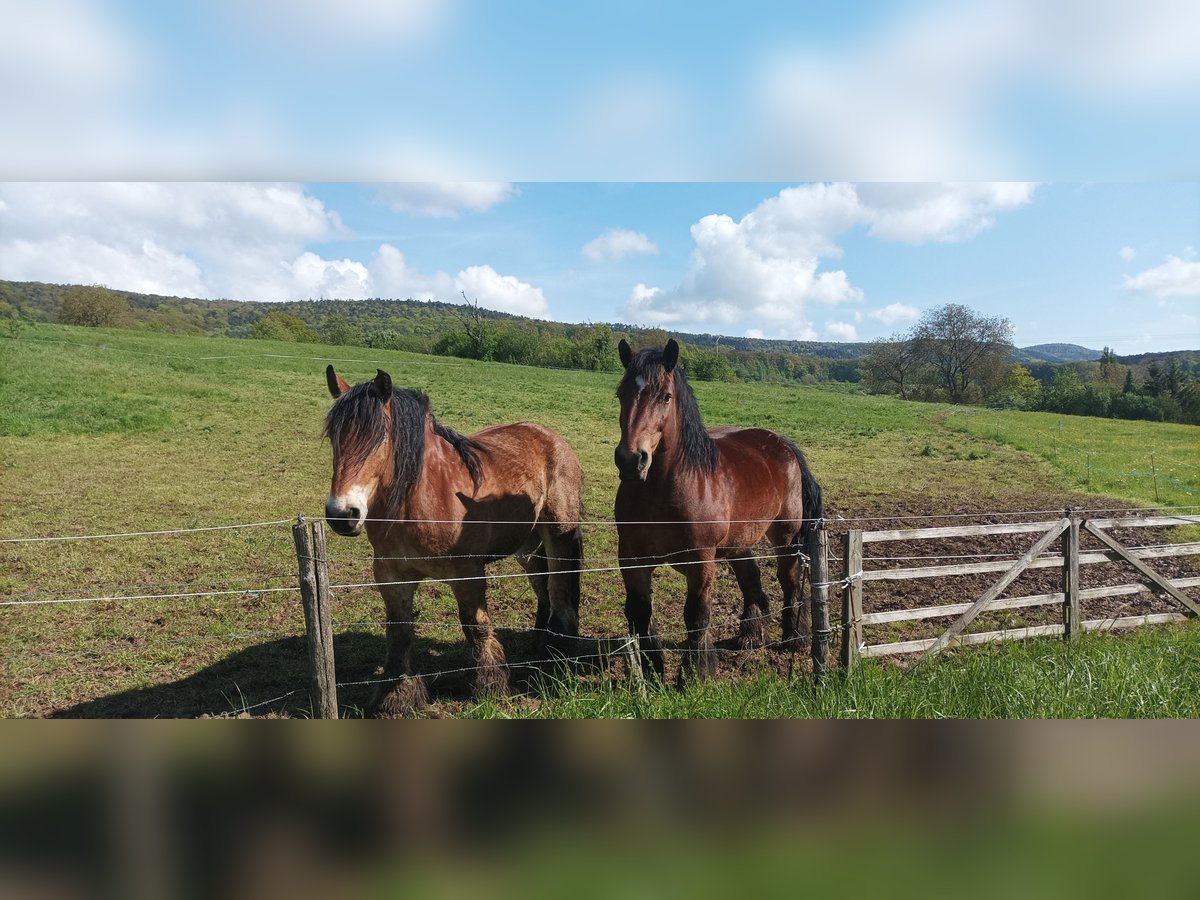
(818, 554)
(314, 592)
(1070, 553)
(852, 636)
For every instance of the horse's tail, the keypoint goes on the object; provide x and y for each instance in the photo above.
(810, 494)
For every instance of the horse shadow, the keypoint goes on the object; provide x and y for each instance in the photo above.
(272, 678)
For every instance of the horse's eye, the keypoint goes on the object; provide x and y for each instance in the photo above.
(666, 398)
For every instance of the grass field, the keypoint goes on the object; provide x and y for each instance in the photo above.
(118, 431)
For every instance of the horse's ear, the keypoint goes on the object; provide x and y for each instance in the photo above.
(626, 353)
(337, 384)
(670, 355)
(383, 385)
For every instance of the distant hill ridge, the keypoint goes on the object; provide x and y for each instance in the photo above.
(1060, 353)
(45, 297)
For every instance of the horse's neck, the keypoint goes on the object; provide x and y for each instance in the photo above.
(442, 474)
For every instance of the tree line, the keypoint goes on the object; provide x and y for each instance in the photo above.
(463, 330)
(956, 355)
(952, 354)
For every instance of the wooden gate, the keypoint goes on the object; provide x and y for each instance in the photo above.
(1069, 559)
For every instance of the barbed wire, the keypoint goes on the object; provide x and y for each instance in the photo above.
(174, 596)
(127, 534)
(1165, 512)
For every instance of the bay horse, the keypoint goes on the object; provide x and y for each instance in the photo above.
(438, 504)
(690, 496)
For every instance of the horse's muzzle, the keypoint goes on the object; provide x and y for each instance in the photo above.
(631, 465)
(345, 520)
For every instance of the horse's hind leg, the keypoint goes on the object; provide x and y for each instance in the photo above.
(491, 669)
(402, 693)
(755, 606)
(536, 566)
(795, 611)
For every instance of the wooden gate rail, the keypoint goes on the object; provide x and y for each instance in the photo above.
(1069, 560)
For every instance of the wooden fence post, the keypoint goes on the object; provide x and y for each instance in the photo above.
(818, 554)
(314, 592)
(1070, 553)
(852, 636)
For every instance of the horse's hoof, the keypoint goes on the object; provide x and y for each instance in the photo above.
(406, 698)
(491, 681)
(752, 636)
(794, 643)
(697, 666)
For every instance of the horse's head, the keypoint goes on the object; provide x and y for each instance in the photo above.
(360, 429)
(646, 408)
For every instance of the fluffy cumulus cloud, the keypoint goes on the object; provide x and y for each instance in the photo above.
(841, 331)
(895, 312)
(615, 244)
(243, 241)
(1127, 253)
(916, 213)
(205, 240)
(444, 199)
(764, 270)
(1174, 278)
(503, 292)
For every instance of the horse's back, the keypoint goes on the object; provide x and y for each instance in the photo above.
(533, 460)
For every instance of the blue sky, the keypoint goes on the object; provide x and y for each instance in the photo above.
(797, 169)
(1089, 263)
(466, 89)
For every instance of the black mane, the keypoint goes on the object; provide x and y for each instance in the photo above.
(356, 428)
(699, 449)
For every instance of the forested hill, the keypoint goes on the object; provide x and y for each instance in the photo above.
(1056, 353)
(460, 329)
(414, 318)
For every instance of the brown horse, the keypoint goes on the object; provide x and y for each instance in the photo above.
(690, 496)
(461, 502)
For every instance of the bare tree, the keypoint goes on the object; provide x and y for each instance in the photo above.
(964, 349)
(893, 361)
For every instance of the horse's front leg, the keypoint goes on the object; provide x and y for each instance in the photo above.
(699, 659)
(639, 612)
(401, 693)
(491, 668)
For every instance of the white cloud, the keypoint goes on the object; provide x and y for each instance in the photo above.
(79, 259)
(1174, 278)
(1127, 253)
(503, 292)
(393, 278)
(895, 312)
(194, 239)
(763, 270)
(243, 241)
(444, 199)
(841, 331)
(916, 213)
(615, 244)
(754, 333)
(340, 279)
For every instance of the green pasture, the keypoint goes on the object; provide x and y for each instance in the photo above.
(109, 431)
